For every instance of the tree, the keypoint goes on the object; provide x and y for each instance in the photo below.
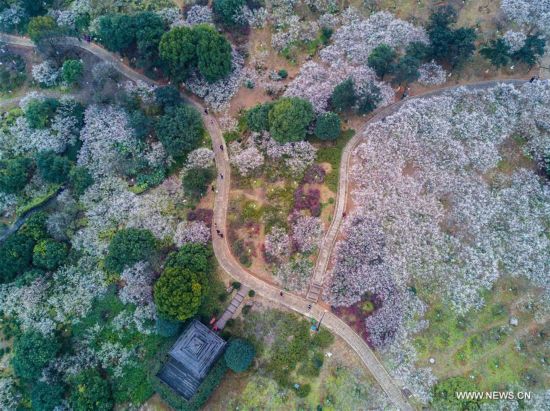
(149, 29)
(452, 46)
(53, 168)
(229, 12)
(406, 70)
(72, 71)
(213, 53)
(36, 8)
(444, 394)
(381, 59)
(196, 180)
(289, 119)
(178, 293)
(418, 50)
(180, 130)
(194, 257)
(32, 352)
(179, 51)
(239, 355)
(369, 100)
(80, 179)
(532, 49)
(49, 254)
(497, 51)
(16, 256)
(40, 26)
(129, 246)
(46, 396)
(14, 174)
(90, 392)
(167, 96)
(257, 118)
(116, 32)
(328, 126)
(35, 226)
(39, 113)
(343, 97)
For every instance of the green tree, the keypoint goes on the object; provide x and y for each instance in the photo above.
(406, 70)
(149, 29)
(46, 396)
(180, 130)
(418, 50)
(35, 226)
(72, 71)
(213, 53)
(444, 394)
(116, 32)
(496, 51)
(328, 126)
(369, 100)
(178, 293)
(530, 52)
(343, 96)
(229, 12)
(289, 119)
(129, 246)
(194, 257)
(32, 351)
(15, 255)
(90, 392)
(257, 118)
(39, 113)
(53, 168)
(36, 8)
(49, 254)
(239, 355)
(167, 96)
(178, 50)
(447, 44)
(14, 174)
(80, 179)
(41, 26)
(196, 180)
(381, 59)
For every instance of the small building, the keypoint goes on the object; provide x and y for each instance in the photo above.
(191, 358)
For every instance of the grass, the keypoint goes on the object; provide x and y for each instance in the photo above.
(332, 153)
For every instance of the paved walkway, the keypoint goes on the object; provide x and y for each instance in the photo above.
(233, 307)
(221, 247)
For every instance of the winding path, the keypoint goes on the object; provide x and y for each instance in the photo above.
(221, 246)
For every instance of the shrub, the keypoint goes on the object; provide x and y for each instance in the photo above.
(40, 26)
(12, 72)
(71, 71)
(90, 392)
(80, 179)
(49, 254)
(213, 54)
(251, 293)
(16, 256)
(229, 12)
(39, 113)
(46, 396)
(53, 168)
(178, 293)
(303, 390)
(328, 126)
(167, 96)
(239, 355)
(444, 394)
(129, 246)
(283, 73)
(381, 59)
(289, 119)
(406, 70)
(32, 352)
(257, 118)
(497, 51)
(14, 174)
(180, 130)
(167, 328)
(343, 97)
(196, 180)
(236, 285)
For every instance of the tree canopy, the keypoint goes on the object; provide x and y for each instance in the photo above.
(40, 26)
(328, 126)
(15, 255)
(178, 293)
(46, 396)
(196, 180)
(381, 59)
(129, 246)
(180, 130)
(72, 71)
(32, 352)
(14, 174)
(193, 256)
(229, 12)
(52, 167)
(257, 118)
(289, 119)
(49, 254)
(239, 355)
(90, 392)
(39, 113)
(343, 96)
(444, 394)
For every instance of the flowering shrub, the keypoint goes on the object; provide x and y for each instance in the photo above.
(245, 160)
(432, 74)
(295, 274)
(314, 174)
(308, 201)
(306, 233)
(138, 284)
(514, 40)
(192, 232)
(198, 15)
(528, 13)
(277, 245)
(9, 399)
(200, 158)
(46, 74)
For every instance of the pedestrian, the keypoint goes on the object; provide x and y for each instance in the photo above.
(281, 293)
(213, 189)
(206, 111)
(221, 147)
(221, 235)
(221, 176)
(309, 307)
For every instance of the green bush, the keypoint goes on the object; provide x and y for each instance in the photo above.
(196, 181)
(328, 126)
(133, 386)
(167, 96)
(49, 254)
(444, 394)
(129, 246)
(239, 355)
(381, 59)
(228, 12)
(303, 390)
(343, 96)
(236, 285)
(15, 255)
(35, 226)
(52, 167)
(14, 174)
(80, 179)
(89, 391)
(46, 396)
(251, 293)
(39, 113)
(257, 118)
(283, 73)
(41, 26)
(180, 130)
(167, 328)
(32, 352)
(178, 293)
(71, 71)
(289, 119)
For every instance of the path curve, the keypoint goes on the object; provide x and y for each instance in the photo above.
(221, 247)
